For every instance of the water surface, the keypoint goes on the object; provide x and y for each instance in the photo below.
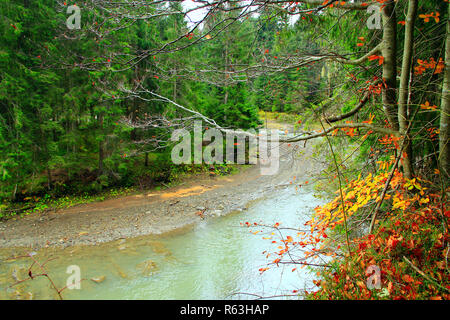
(216, 259)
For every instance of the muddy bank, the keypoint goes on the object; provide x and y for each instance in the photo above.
(156, 212)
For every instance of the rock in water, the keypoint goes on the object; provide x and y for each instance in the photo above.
(147, 268)
(216, 213)
(19, 273)
(120, 271)
(98, 279)
(159, 248)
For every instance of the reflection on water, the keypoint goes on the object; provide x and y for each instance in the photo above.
(213, 260)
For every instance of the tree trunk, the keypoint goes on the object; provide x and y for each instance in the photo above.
(49, 178)
(100, 146)
(175, 83)
(389, 52)
(404, 87)
(175, 94)
(225, 99)
(444, 148)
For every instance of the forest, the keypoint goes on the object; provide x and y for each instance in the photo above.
(91, 92)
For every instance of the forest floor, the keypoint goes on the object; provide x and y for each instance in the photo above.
(156, 212)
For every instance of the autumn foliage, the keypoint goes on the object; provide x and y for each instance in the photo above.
(394, 215)
(410, 244)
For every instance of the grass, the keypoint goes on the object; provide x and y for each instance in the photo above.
(36, 205)
(280, 117)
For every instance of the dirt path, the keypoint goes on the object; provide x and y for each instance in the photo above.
(154, 212)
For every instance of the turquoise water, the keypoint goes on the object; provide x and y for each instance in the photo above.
(216, 259)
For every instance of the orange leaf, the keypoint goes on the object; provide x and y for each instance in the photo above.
(407, 278)
(263, 269)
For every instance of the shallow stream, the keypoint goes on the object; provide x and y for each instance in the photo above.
(215, 259)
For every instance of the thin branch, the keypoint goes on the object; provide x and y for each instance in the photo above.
(424, 275)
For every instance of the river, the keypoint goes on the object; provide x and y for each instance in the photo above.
(215, 259)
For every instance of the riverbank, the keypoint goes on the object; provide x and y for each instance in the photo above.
(212, 259)
(157, 212)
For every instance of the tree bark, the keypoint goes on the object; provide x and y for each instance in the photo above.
(49, 178)
(404, 87)
(100, 146)
(389, 52)
(444, 148)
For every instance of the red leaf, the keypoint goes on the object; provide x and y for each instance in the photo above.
(407, 278)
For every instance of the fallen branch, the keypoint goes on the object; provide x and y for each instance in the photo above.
(342, 126)
(424, 275)
(383, 193)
